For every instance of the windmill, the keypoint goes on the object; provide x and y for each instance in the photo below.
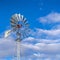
(19, 26)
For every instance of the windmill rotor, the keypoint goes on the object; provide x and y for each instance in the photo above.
(19, 25)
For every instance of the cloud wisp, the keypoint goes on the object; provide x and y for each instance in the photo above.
(50, 18)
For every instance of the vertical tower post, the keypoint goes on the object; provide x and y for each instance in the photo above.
(18, 45)
(18, 50)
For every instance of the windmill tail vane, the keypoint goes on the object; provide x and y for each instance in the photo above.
(7, 33)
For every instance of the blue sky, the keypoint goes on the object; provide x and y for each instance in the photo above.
(44, 19)
(29, 8)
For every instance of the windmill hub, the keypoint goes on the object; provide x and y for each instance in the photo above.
(18, 26)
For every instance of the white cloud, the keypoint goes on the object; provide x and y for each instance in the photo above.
(51, 21)
(7, 47)
(47, 34)
(39, 50)
(50, 18)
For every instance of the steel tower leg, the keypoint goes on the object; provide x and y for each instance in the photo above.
(18, 50)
